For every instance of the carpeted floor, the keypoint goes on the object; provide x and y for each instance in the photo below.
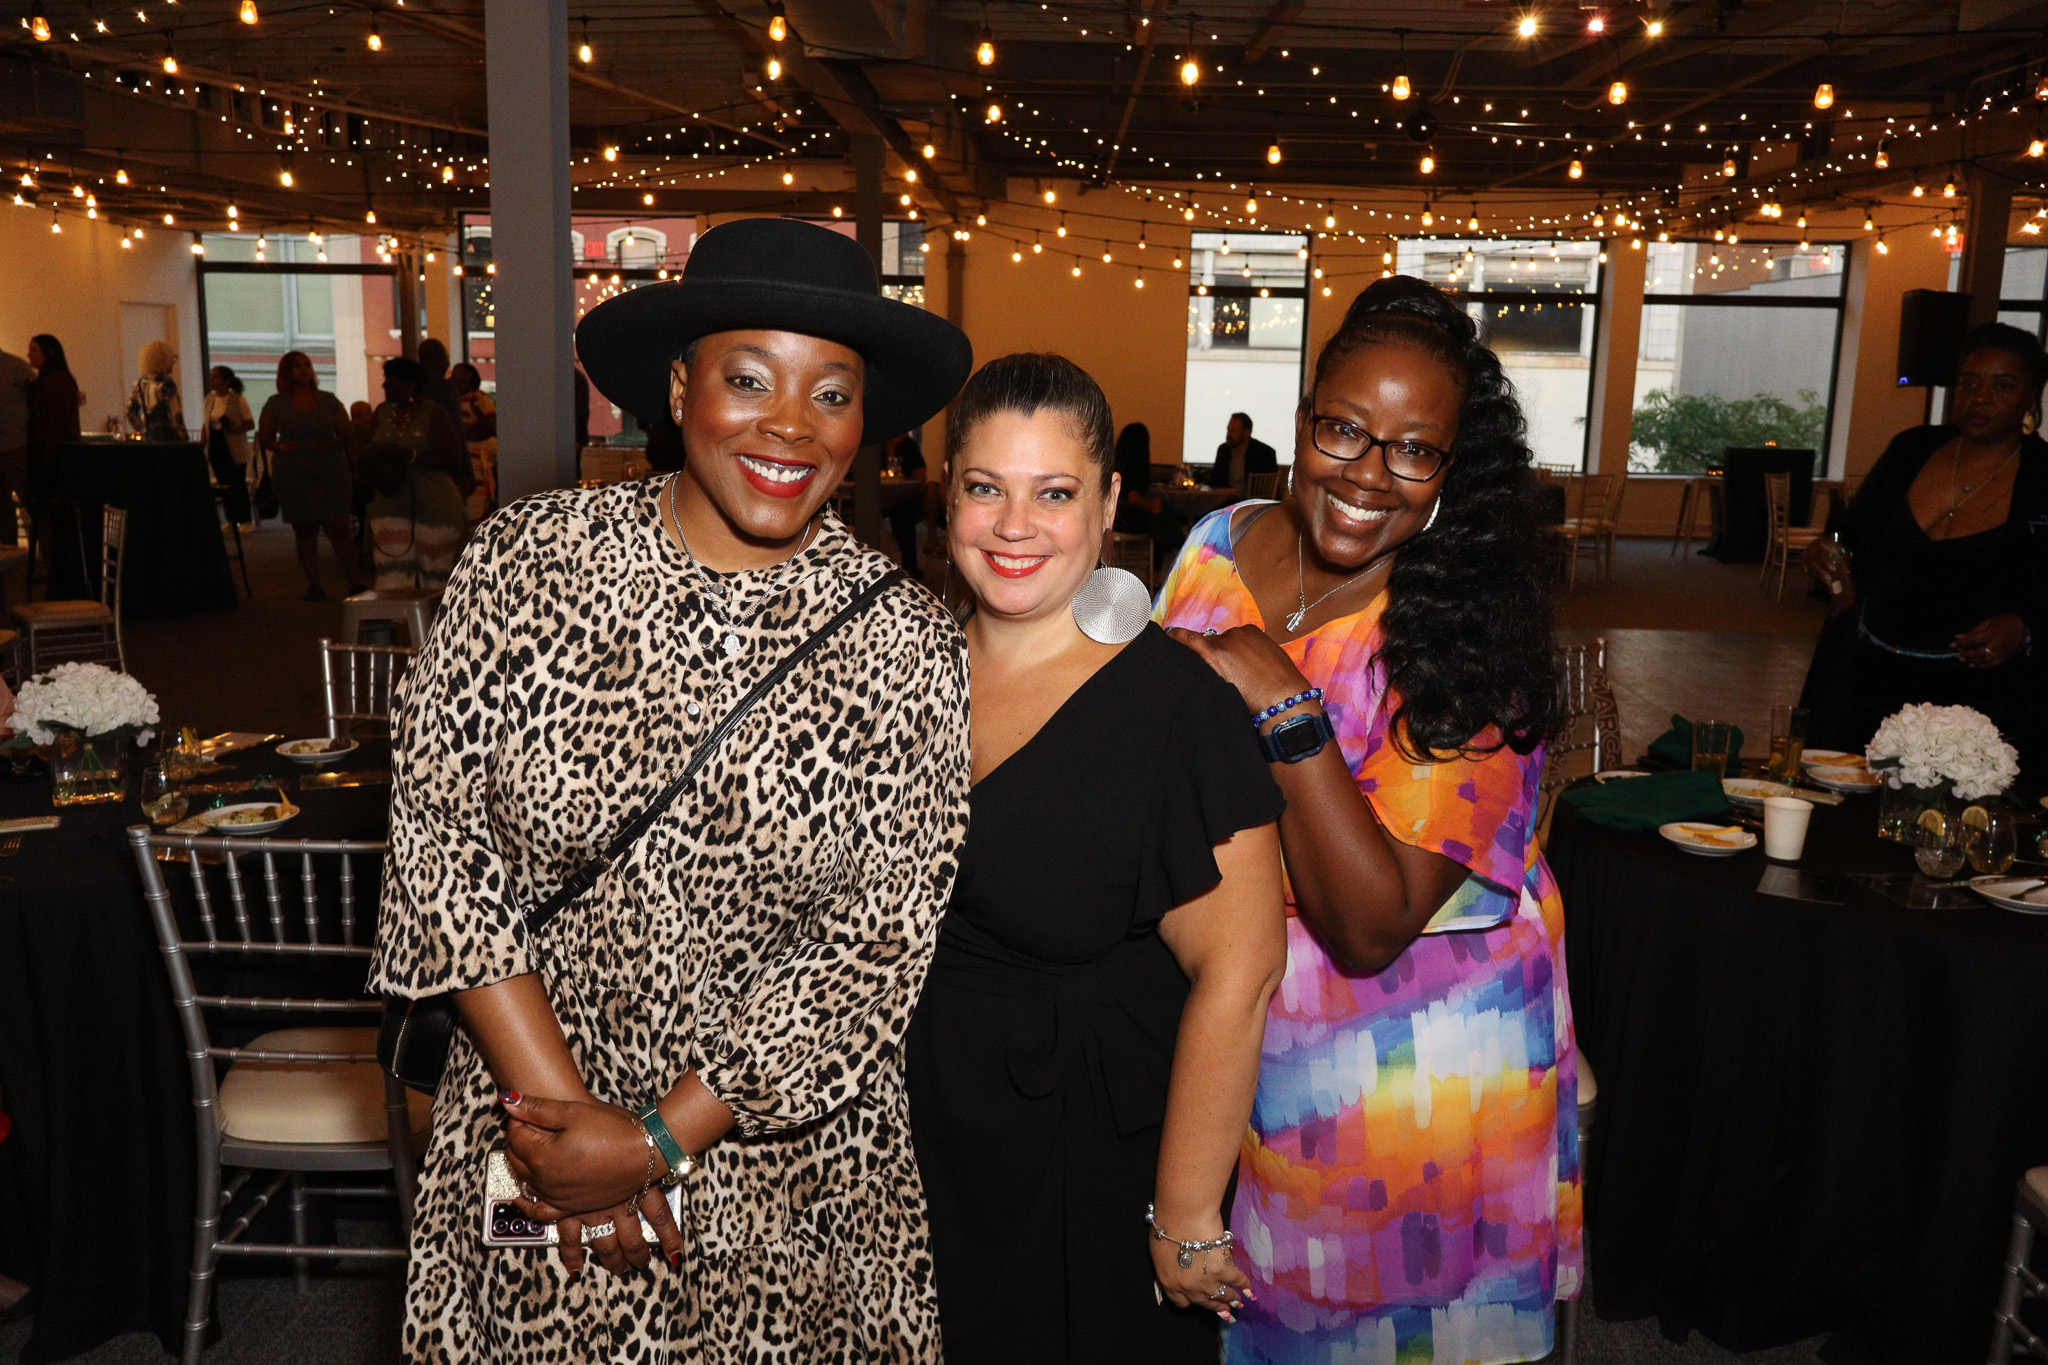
(1687, 635)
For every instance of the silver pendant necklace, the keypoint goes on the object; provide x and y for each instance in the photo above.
(1301, 587)
(731, 644)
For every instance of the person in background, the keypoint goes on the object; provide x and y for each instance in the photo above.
(228, 424)
(665, 453)
(906, 457)
(438, 387)
(1139, 510)
(1083, 1057)
(362, 418)
(1410, 1183)
(15, 376)
(1940, 582)
(305, 431)
(407, 417)
(1240, 456)
(155, 408)
(54, 401)
(480, 433)
(416, 521)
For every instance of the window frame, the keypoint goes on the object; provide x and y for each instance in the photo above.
(1306, 239)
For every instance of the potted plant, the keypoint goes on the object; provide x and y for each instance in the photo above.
(82, 718)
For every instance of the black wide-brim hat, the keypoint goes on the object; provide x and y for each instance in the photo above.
(777, 274)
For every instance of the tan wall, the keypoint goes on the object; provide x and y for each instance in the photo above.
(1880, 409)
(72, 285)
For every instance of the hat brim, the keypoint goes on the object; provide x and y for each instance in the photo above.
(915, 361)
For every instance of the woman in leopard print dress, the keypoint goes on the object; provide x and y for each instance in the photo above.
(749, 968)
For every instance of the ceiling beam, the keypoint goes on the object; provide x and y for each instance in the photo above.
(1283, 13)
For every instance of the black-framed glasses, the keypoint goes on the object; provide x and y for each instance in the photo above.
(1410, 460)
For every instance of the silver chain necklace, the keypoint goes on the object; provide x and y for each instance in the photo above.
(1955, 504)
(716, 591)
(1301, 587)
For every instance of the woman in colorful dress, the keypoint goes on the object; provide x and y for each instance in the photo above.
(1410, 1185)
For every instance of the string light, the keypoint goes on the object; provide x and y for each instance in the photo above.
(120, 171)
(985, 50)
(374, 40)
(778, 22)
(1527, 27)
(1617, 93)
(1654, 27)
(775, 68)
(930, 151)
(1190, 71)
(38, 24)
(1273, 154)
(611, 152)
(1883, 159)
(1401, 88)
(1948, 191)
(170, 59)
(993, 114)
(1577, 169)
(584, 54)
(1597, 24)
(1824, 96)
(1729, 168)
(1882, 249)
(246, 12)
(2037, 147)
(1428, 164)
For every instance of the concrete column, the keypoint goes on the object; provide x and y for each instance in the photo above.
(527, 64)
(1984, 228)
(1610, 414)
(867, 228)
(408, 303)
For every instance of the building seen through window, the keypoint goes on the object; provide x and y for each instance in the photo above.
(1247, 296)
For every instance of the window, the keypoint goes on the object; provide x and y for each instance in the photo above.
(294, 294)
(637, 248)
(2025, 288)
(1534, 303)
(1738, 349)
(903, 258)
(1247, 297)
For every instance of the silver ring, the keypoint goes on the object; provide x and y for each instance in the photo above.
(1210, 631)
(599, 1230)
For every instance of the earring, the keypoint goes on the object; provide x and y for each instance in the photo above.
(1290, 481)
(1112, 606)
(1434, 508)
(679, 416)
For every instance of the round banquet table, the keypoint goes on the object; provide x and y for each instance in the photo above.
(1196, 503)
(1811, 1114)
(97, 1177)
(174, 562)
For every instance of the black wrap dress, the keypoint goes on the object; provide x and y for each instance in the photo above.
(1041, 1049)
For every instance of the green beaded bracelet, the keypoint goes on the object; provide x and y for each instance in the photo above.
(679, 1161)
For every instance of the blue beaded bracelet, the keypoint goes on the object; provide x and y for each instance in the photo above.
(1313, 694)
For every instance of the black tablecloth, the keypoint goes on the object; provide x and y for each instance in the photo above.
(1811, 1116)
(176, 561)
(97, 1179)
(1742, 514)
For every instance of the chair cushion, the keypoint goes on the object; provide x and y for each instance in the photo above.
(68, 612)
(312, 1102)
(396, 595)
(2035, 1183)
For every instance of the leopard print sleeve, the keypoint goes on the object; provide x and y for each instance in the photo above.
(832, 1007)
(449, 918)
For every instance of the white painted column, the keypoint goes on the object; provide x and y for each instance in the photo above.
(527, 63)
(1618, 337)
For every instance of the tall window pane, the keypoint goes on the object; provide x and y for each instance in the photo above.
(1247, 293)
(1737, 349)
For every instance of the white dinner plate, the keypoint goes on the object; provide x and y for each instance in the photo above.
(1849, 781)
(309, 752)
(1708, 840)
(1617, 774)
(1831, 758)
(2032, 897)
(209, 821)
(1751, 791)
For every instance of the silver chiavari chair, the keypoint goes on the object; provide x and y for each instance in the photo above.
(1590, 721)
(296, 1100)
(359, 681)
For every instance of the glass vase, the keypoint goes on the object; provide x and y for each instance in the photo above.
(1899, 809)
(86, 770)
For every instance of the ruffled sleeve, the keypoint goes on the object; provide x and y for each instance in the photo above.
(1213, 783)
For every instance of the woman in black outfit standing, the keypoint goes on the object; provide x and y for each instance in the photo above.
(1946, 577)
(1085, 1051)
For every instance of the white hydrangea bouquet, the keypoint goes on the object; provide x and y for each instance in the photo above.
(90, 699)
(1928, 746)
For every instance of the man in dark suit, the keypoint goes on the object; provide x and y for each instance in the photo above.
(1240, 456)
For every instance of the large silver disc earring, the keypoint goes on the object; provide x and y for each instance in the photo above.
(1112, 606)
(1434, 508)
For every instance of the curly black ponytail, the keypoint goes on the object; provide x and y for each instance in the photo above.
(1468, 643)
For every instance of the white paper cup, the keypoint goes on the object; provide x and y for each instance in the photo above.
(1785, 820)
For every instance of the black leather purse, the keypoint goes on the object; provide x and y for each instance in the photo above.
(415, 1035)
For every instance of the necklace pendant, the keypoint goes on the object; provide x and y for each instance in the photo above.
(731, 645)
(1294, 621)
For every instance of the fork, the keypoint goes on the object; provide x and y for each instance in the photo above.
(10, 846)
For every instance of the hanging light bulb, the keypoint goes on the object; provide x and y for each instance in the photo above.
(246, 12)
(994, 113)
(2037, 147)
(370, 216)
(1273, 154)
(170, 62)
(55, 226)
(1883, 159)
(1190, 70)
(284, 176)
(1401, 89)
(1428, 164)
(584, 54)
(1329, 221)
(775, 68)
(1251, 208)
(120, 171)
(647, 200)
(1919, 191)
(1472, 223)
(38, 24)
(1882, 249)
(1948, 191)
(1527, 27)
(930, 151)
(374, 40)
(233, 214)
(611, 151)
(1824, 96)
(2041, 86)
(985, 50)
(1869, 223)
(1654, 26)
(1729, 168)
(789, 177)
(1577, 169)
(1052, 196)
(447, 174)
(1617, 93)
(778, 22)
(1428, 218)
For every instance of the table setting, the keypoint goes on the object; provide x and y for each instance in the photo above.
(1814, 989)
(95, 1220)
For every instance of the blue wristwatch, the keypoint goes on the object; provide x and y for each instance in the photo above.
(1291, 741)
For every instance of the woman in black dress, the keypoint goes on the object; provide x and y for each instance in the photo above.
(1946, 577)
(1087, 1044)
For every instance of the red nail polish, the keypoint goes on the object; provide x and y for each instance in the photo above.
(509, 1097)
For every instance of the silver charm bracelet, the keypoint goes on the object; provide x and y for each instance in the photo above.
(1187, 1249)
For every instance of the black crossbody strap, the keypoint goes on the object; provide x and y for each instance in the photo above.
(586, 876)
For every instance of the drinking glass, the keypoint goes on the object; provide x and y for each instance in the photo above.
(1990, 839)
(1788, 741)
(178, 752)
(1710, 740)
(1937, 843)
(162, 801)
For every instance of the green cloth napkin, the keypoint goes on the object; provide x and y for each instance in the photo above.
(1632, 803)
(1674, 747)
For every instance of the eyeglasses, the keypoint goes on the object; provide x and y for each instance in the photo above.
(1410, 460)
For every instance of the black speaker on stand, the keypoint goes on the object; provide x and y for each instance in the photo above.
(1932, 324)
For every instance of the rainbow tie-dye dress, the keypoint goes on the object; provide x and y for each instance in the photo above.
(1409, 1190)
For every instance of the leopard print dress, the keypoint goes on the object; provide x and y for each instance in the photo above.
(772, 930)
